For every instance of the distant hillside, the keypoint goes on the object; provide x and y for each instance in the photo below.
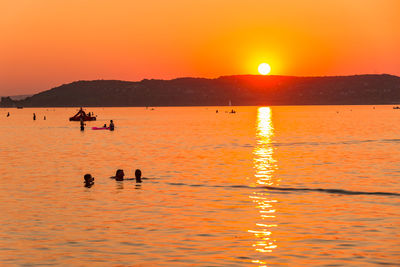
(239, 89)
(19, 97)
(16, 97)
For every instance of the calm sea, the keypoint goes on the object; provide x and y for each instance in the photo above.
(266, 186)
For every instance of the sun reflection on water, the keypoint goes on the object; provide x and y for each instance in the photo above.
(264, 165)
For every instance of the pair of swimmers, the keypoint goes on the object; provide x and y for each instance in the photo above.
(111, 127)
(119, 176)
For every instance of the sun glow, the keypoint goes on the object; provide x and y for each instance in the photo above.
(264, 68)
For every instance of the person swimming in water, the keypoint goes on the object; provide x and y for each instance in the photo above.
(138, 176)
(89, 180)
(119, 175)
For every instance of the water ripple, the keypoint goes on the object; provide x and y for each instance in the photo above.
(348, 142)
(323, 190)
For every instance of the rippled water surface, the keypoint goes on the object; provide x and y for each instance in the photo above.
(247, 189)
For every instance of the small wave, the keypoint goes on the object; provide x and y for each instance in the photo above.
(333, 191)
(349, 142)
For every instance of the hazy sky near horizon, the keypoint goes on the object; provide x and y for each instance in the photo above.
(45, 43)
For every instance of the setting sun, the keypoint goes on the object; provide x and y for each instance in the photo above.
(264, 68)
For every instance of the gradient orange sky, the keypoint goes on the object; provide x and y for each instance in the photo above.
(45, 43)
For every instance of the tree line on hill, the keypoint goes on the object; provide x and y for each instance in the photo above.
(250, 90)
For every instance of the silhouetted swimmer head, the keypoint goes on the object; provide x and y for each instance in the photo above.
(119, 175)
(89, 180)
(138, 176)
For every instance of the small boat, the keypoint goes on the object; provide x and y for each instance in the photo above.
(397, 107)
(86, 118)
(19, 107)
(81, 115)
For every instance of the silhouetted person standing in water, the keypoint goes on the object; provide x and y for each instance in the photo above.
(8, 114)
(34, 116)
(111, 125)
(82, 125)
(138, 176)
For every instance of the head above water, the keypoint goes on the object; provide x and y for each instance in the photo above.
(119, 175)
(88, 178)
(138, 175)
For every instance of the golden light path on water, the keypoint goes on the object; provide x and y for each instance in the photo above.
(264, 165)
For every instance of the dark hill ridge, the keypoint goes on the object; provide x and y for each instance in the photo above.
(239, 89)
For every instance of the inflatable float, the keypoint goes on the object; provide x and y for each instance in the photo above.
(100, 128)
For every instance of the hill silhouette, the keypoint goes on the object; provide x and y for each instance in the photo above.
(239, 89)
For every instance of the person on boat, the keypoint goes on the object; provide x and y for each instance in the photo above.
(89, 180)
(138, 176)
(105, 125)
(119, 175)
(111, 125)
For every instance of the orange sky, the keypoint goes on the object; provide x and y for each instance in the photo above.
(45, 43)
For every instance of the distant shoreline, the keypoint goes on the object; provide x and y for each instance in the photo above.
(392, 104)
(240, 90)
